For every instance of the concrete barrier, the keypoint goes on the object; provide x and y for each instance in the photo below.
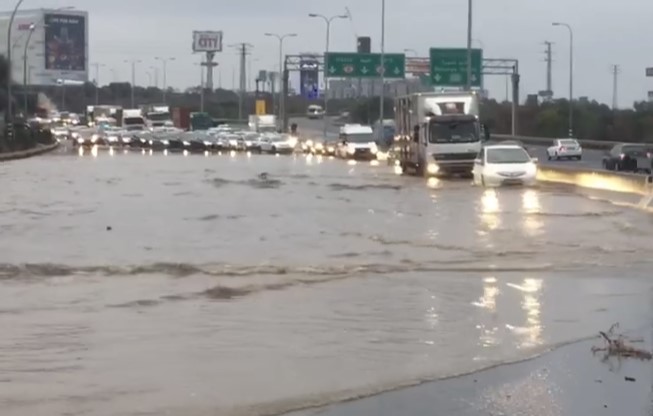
(593, 179)
(38, 150)
(548, 141)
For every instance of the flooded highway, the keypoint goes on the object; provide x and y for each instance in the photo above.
(137, 284)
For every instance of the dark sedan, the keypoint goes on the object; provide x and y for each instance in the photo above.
(629, 158)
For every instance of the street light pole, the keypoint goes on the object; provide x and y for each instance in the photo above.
(382, 94)
(165, 74)
(9, 64)
(328, 21)
(97, 81)
(133, 98)
(571, 76)
(278, 99)
(469, 45)
(29, 37)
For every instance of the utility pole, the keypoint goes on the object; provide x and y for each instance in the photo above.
(469, 44)
(244, 50)
(164, 62)
(548, 92)
(616, 70)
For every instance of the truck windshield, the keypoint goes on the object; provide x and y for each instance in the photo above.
(454, 132)
(360, 137)
(159, 116)
(131, 121)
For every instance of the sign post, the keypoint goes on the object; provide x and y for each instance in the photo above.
(364, 65)
(449, 67)
(208, 42)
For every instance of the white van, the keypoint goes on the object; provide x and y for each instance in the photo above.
(356, 141)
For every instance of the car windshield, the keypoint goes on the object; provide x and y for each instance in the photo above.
(158, 116)
(634, 150)
(568, 142)
(360, 137)
(454, 132)
(507, 155)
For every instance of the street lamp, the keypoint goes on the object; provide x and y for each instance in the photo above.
(9, 76)
(281, 74)
(133, 64)
(571, 75)
(328, 21)
(32, 27)
(413, 51)
(97, 81)
(165, 74)
(382, 94)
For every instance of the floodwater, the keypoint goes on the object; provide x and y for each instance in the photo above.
(136, 284)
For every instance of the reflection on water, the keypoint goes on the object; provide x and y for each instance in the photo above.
(490, 209)
(532, 223)
(531, 332)
(489, 336)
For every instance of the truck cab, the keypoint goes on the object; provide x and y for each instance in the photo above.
(356, 142)
(133, 120)
(438, 133)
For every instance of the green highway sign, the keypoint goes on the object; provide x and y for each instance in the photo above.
(449, 67)
(364, 65)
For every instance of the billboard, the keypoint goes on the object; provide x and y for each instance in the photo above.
(65, 42)
(309, 71)
(207, 41)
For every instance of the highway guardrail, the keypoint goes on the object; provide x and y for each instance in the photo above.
(39, 149)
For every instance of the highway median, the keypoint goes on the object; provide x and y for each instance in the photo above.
(22, 154)
(596, 179)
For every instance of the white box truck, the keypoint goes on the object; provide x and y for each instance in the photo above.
(438, 133)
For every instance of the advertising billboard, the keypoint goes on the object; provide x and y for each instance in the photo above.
(65, 42)
(207, 41)
(309, 77)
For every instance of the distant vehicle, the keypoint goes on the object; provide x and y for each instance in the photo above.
(629, 158)
(565, 149)
(132, 119)
(277, 143)
(504, 164)
(266, 123)
(356, 142)
(315, 112)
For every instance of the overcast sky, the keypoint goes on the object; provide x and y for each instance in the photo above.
(605, 33)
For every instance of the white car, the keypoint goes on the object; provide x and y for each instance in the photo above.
(504, 164)
(277, 143)
(565, 149)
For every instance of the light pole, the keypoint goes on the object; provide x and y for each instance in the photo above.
(201, 65)
(469, 45)
(382, 95)
(9, 76)
(279, 101)
(155, 71)
(571, 75)
(328, 21)
(97, 81)
(165, 74)
(29, 37)
(133, 64)
(413, 51)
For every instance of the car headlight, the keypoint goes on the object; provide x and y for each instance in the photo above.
(151, 142)
(74, 135)
(94, 138)
(374, 149)
(207, 143)
(351, 150)
(309, 143)
(186, 143)
(292, 141)
(432, 168)
(248, 143)
(113, 138)
(331, 149)
(319, 146)
(80, 140)
(166, 142)
(126, 139)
